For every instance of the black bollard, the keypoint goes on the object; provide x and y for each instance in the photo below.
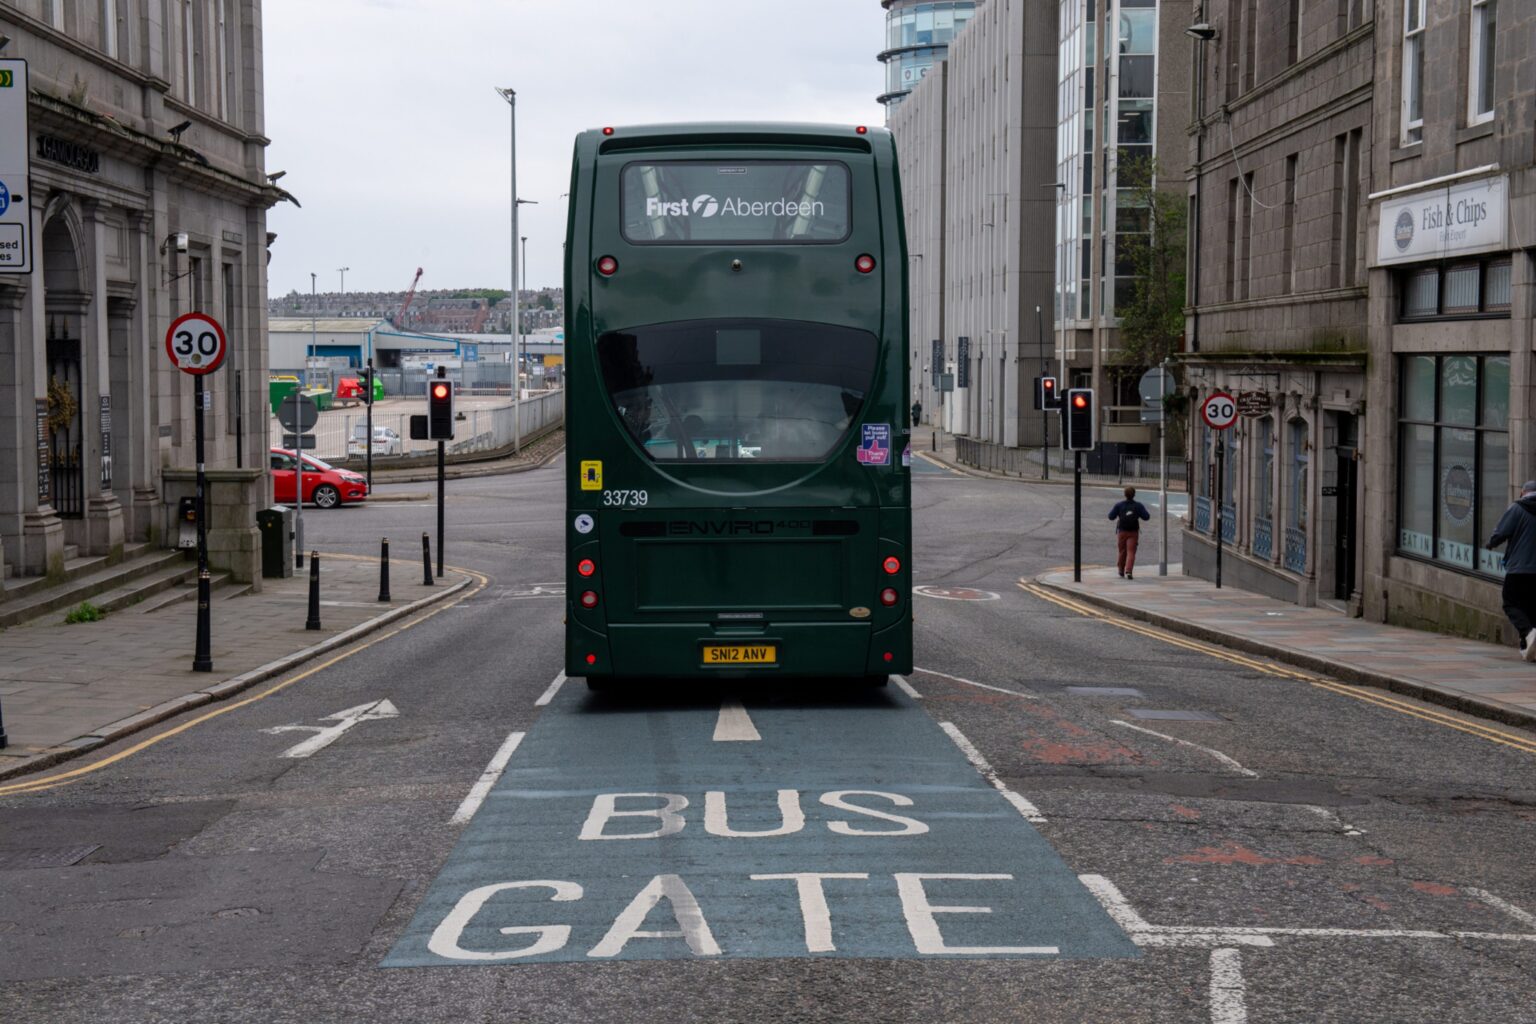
(384, 569)
(426, 560)
(313, 622)
(4, 740)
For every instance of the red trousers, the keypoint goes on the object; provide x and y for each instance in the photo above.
(1126, 541)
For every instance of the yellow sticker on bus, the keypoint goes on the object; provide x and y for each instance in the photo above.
(592, 474)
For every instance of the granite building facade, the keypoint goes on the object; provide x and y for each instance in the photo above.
(148, 198)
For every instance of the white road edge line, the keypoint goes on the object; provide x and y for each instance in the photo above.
(1520, 914)
(1030, 811)
(487, 779)
(972, 682)
(1144, 933)
(734, 724)
(1229, 1004)
(1218, 755)
(906, 688)
(549, 694)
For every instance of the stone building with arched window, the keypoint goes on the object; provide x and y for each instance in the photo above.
(147, 197)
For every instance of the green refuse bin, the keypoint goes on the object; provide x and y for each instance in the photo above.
(276, 525)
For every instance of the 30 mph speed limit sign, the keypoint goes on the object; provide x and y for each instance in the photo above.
(1219, 411)
(196, 344)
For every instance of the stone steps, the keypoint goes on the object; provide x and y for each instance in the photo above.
(148, 572)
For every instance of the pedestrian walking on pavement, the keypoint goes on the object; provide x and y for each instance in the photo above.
(917, 412)
(1518, 526)
(1128, 516)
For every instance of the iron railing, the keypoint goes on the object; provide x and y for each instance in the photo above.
(1295, 550)
(1263, 538)
(1202, 514)
(475, 430)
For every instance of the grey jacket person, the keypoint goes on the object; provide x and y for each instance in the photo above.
(1518, 526)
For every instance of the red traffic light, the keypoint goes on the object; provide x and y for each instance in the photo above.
(1049, 383)
(1079, 401)
(439, 391)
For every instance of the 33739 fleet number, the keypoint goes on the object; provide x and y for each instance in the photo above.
(626, 499)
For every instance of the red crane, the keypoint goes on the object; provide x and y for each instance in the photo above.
(399, 319)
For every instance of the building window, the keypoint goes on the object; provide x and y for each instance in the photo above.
(1459, 290)
(1453, 458)
(1480, 67)
(109, 28)
(1301, 462)
(1293, 32)
(1288, 250)
(1245, 240)
(1413, 72)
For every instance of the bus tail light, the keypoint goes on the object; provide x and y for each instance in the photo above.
(607, 266)
(586, 567)
(865, 264)
(591, 659)
(862, 130)
(889, 597)
(889, 656)
(891, 565)
(607, 131)
(589, 599)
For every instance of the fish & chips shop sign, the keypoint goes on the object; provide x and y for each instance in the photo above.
(1452, 220)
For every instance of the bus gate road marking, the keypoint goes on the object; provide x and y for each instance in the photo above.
(487, 779)
(972, 682)
(549, 694)
(853, 827)
(906, 687)
(734, 724)
(324, 736)
(956, 593)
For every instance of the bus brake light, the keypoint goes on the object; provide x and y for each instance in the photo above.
(607, 131)
(586, 567)
(607, 266)
(892, 565)
(889, 597)
(862, 130)
(591, 659)
(864, 264)
(589, 599)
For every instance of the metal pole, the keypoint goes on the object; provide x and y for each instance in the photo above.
(384, 569)
(313, 621)
(1045, 414)
(441, 477)
(1077, 519)
(239, 420)
(522, 341)
(426, 559)
(202, 658)
(369, 399)
(517, 327)
(1162, 456)
(1221, 488)
(298, 439)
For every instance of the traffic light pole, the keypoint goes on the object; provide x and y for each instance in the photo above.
(1077, 519)
(368, 398)
(442, 476)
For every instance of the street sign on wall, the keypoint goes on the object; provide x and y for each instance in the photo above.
(1254, 403)
(1219, 410)
(15, 161)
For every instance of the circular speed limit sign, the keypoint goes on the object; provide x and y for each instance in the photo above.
(196, 344)
(1219, 411)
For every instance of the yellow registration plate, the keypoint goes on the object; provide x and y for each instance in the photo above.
(740, 654)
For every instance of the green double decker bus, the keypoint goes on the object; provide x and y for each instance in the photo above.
(738, 500)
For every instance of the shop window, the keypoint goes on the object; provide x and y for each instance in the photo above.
(1461, 290)
(1453, 458)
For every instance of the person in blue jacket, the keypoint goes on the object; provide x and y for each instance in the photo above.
(1518, 526)
(1128, 516)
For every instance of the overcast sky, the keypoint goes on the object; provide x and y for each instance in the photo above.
(383, 114)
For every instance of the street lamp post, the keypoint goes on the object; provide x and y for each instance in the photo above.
(510, 96)
(521, 344)
(343, 272)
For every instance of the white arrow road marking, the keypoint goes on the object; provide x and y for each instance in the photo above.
(488, 778)
(324, 736)
(549, 694)
(734, 724)
(1030, 811)
(1218, 755)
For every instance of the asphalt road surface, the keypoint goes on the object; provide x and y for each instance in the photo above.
(1056, 819)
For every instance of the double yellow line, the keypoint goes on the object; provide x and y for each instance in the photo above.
(1524, 744)
(76, 774)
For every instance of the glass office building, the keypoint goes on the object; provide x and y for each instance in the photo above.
(917, 36)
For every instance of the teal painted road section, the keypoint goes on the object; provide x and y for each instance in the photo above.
(853, 827)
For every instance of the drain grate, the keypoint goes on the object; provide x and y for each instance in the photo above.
(1104, 691)
(51, 857)
(1174, 716)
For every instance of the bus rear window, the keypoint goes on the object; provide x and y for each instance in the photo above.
(740, 390)
(709, 202)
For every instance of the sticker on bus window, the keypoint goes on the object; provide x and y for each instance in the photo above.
(591, 474)
(875, 445)
(906, 456)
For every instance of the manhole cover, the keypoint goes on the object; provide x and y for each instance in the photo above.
(956, 593)
(1104, 691)
(51, 857)
(1174, 716)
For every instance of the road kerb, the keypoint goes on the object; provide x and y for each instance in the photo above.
(1456, 700)
(74, 748)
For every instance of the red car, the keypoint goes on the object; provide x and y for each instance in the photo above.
(325, 486)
